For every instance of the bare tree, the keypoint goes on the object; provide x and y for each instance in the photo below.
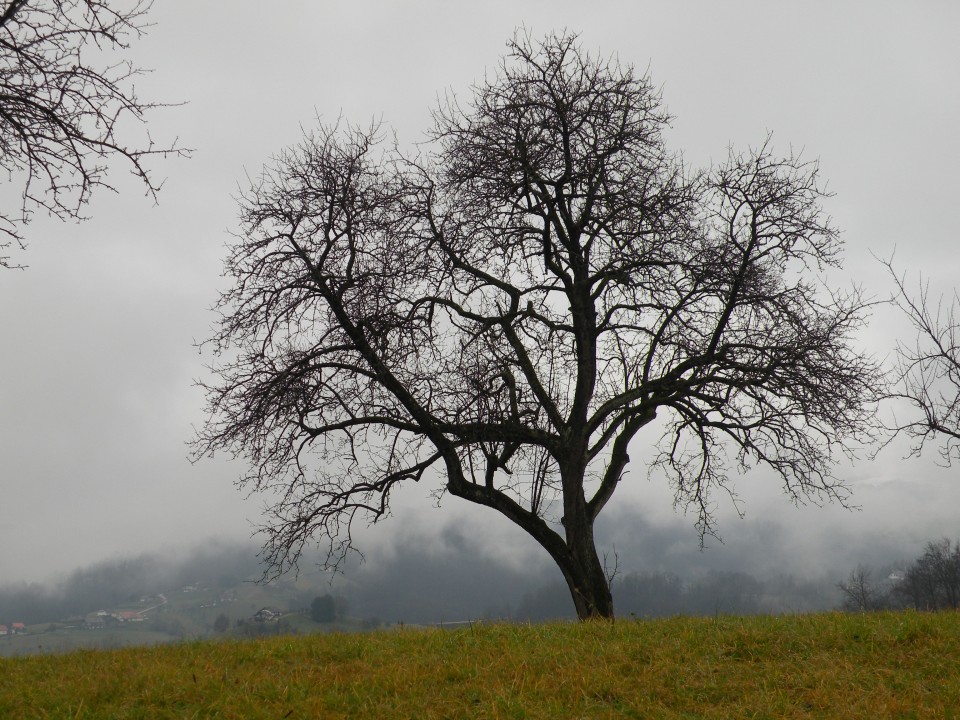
(942, 563)
(514, 304)
(919, 586)
(859, 592)
(927, 373)
(932, 581)
(62, 115)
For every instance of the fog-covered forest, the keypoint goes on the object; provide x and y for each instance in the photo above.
(418, 587)
(218, 589)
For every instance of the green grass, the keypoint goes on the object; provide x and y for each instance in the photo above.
(885, 665)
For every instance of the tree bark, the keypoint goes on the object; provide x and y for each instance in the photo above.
(586, 578)
(582, 569)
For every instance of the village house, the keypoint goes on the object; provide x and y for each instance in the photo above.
(267, 615)
(95, 620)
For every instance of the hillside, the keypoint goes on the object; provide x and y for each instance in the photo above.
(879, 665)
(190, 612)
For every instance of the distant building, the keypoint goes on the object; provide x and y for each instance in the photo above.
(18, 629)
(4, 630)
(95, 621)
(267, 615)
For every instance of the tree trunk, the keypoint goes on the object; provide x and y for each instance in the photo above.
(584, 573)
(590, 592)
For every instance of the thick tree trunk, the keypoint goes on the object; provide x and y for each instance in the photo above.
(579, 562)
(590, 591)
(584, 573)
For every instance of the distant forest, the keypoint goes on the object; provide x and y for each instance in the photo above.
(930, 582)
(414, 588)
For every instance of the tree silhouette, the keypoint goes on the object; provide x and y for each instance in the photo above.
(927, 372)
(860, 593)
(63, 117)
(511, 306)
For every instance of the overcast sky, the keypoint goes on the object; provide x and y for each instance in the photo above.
(97, 336)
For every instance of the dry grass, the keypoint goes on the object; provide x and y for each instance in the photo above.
(885, 665)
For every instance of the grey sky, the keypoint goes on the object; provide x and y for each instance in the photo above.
(97, 349)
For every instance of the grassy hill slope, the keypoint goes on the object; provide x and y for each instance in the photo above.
(880, 665)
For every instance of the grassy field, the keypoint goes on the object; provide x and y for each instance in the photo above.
(884, 665)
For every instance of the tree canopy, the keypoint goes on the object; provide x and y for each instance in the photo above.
(508, 307)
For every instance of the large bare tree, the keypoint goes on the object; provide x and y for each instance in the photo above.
(511, 306)
(68, 106)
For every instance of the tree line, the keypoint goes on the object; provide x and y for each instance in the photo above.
(664, 594)
(930, 582)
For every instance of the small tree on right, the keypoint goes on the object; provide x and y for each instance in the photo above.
(932, 582)
(927, 370)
